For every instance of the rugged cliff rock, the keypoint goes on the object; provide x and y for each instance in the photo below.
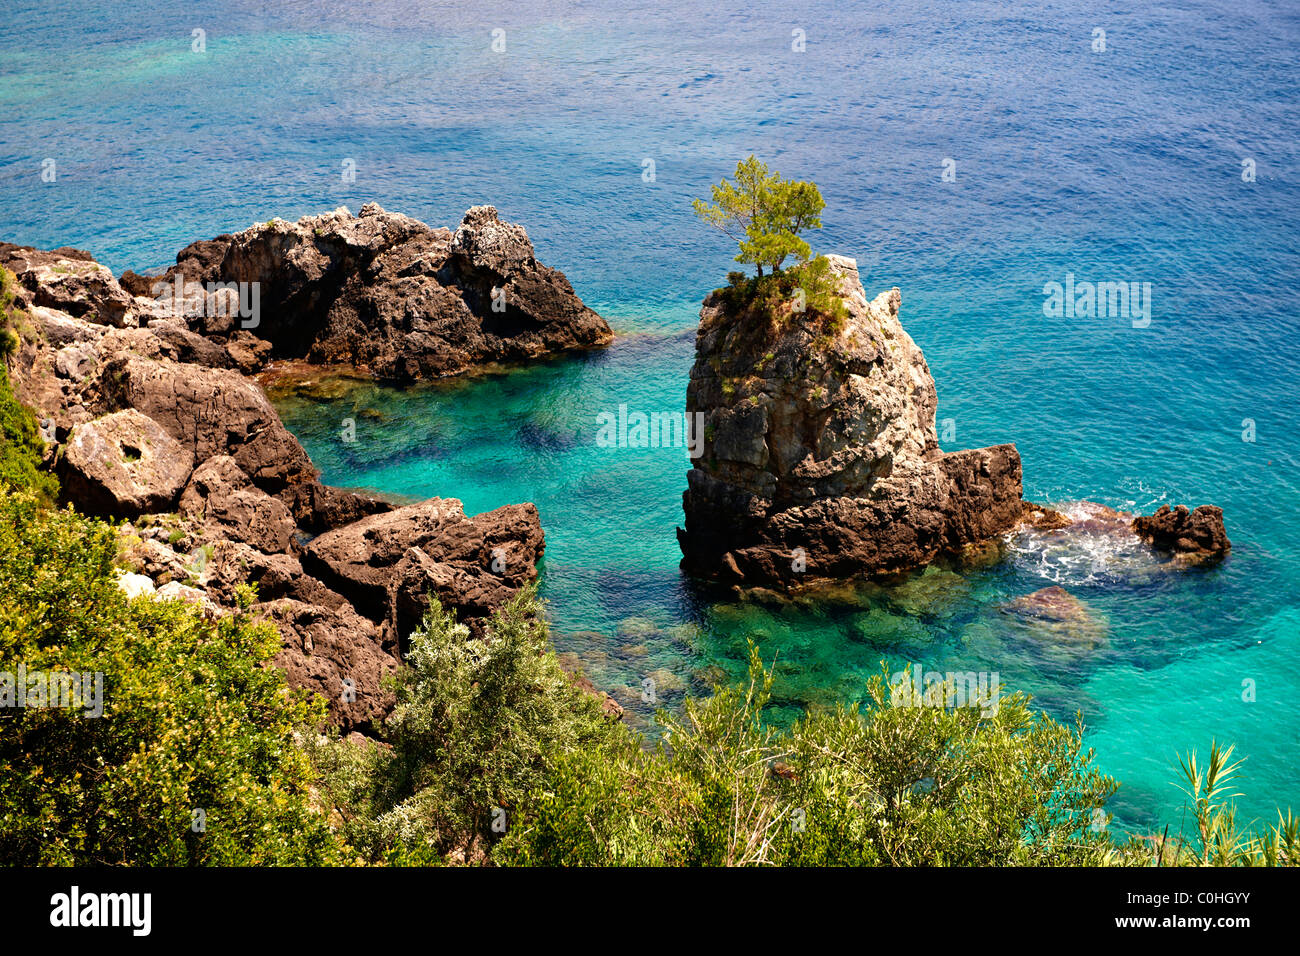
(148, 414)
(1192, 536)
(381, 292)
(821, 458)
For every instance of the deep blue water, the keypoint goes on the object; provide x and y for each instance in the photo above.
(1117, 165)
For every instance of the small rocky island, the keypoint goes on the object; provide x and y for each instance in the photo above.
(821, 459)
(147, 403)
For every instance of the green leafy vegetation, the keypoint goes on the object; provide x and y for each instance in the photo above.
(192, 760)
(810, 287)
(1217, 838)
(889, 784)
(479, 722)
(764, 213)
(493, 757)
(10, 340)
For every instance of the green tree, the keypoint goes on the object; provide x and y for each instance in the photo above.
(479, 720)
(764, 213)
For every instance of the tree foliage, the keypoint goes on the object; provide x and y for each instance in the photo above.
(479, 721)
(764, 213)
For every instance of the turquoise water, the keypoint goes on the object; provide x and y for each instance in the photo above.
(1117, 165)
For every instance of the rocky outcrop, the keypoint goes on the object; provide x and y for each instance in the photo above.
(1086, 542)
(148, 411)
(1192, 536)
(70, 281)
(388, 564)
(211, 412)
(124, 464)
(227, 503)
(380, 292)
(820, 455)
(340, 655)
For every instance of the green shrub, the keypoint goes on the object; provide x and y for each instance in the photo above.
(479, 721)
(21, 447)
(191, 719)
(810, 287)
(895, 785)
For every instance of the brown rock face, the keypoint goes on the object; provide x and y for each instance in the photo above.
(211, 412)
(134, 403)
(225, 499)
(124, 464)
(820, 456)
(70, 281)
(340, 655)
(388, 294)
(1196, 536)
(387, 564)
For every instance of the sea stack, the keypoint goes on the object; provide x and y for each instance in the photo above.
(820, 456)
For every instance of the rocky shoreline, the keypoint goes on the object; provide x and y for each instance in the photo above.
(821, 459)
(144, 391)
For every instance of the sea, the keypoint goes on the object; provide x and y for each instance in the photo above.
(970, 153)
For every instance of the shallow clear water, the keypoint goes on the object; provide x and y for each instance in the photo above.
(1115, 165)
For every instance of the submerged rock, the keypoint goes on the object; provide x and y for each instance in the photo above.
(1058, 620)
(821, 458)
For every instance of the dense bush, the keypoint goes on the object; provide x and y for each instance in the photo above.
(191, 719)
(892, 784)
(810, 287)
(479, 722)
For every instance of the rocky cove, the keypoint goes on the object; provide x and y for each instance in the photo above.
(820, 460)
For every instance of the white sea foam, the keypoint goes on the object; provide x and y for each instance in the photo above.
(1099, 548)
